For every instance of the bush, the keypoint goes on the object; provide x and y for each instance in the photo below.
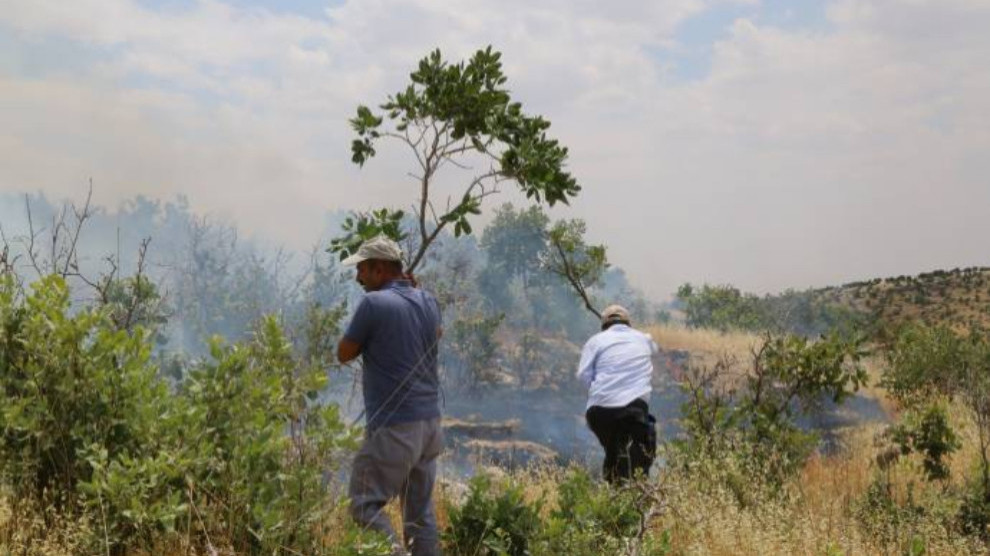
(71, 382)
(591, 518)
(753, 422)
(927, 432)
(924, 362)
(261, 445)
(236, 454)
(974, 513)
(495, 519)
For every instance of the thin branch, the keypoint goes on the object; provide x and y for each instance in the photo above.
(650, 503)
(467, 146)
(299, 281)
(571, 277)
(32, 236)
(100, 288)
(479, 180)
(412, 145)
(428, 237)
(56, 231)
(81, 218)
(433, 212)
(454, 162)
(7, 261)
(136, 287)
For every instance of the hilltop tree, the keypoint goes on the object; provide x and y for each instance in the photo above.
(458, 115)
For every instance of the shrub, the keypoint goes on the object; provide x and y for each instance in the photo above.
(90, 430)
(495, 519)
(754, 421)
(260, 446)
(926, 361)
(71, 381)
(927, 432)
(974, 513)
(591, 518)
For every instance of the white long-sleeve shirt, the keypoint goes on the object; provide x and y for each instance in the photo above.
(616, 366)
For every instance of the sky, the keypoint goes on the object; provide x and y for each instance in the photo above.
(768, 144)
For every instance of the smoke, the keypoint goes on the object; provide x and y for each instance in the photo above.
(212, 278)
(513, 332)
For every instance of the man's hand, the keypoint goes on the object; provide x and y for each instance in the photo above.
(347, 350)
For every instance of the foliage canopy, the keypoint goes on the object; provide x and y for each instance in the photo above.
(460, 115)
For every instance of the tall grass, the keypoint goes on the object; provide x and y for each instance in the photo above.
(822, 511)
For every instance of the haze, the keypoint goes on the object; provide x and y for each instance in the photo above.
(768, 144)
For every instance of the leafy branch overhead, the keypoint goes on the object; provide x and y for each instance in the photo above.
(569, 257)
(463, 116)
(360, 226)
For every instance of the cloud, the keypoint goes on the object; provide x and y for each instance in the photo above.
(805, 156)
(808, 158)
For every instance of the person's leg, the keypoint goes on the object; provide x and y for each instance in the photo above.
(641, 428)
(418, 516)
(644, 448)
(623, 439)
(379, 471)
(601, 421)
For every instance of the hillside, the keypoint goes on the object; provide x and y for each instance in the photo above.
(959, 298)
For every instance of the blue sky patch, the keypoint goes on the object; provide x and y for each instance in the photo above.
(314, 9)
(38, 57)
(696, 37)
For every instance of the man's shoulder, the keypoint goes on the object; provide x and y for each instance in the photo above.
(646, 337)
(619, 333)
(373, 299)
(377, 295)
(391, 296)
(597, 338)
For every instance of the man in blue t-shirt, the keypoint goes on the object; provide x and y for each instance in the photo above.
(396, 330)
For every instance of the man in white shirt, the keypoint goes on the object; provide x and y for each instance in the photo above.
(616, 366)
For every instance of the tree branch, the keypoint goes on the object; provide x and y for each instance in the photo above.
(81, 218)
(32, 236)
(569, 274)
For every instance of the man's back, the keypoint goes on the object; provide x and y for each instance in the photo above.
(616, 366)
(397, 327)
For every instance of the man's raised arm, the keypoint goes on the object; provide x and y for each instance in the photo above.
(347, 350)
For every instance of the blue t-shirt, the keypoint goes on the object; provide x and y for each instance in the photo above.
(396, 328)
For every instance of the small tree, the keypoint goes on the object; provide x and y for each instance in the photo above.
(457, 115)
(926, 363)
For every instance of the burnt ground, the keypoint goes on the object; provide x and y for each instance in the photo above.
(555, 419)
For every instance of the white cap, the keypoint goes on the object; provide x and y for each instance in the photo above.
(614, 313)
(379, 248)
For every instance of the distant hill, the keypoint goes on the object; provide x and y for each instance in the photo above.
(959, 298)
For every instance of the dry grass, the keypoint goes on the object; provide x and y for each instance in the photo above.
(704, 347)
(820, 514)
(702, 341)
(824, 510)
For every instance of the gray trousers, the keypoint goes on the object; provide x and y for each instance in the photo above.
(399, 460)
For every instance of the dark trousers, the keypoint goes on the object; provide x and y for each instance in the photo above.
(629, 437)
